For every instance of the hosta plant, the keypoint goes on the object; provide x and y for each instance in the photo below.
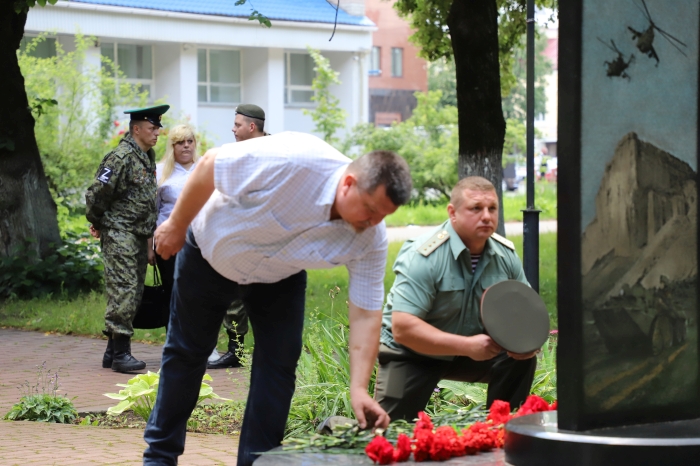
(40, 400)
(139, 394)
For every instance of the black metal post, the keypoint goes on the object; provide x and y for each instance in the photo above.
(531, 221)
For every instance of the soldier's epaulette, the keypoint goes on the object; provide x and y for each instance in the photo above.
(505, 242)
(434, 242)
(121, 151)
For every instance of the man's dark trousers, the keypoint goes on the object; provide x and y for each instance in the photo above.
(198, 304)
(406, 380)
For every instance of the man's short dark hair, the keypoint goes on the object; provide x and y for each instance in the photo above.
(132, 123)
(259, 124)
(383, 167)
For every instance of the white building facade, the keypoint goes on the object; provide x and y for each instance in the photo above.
(204, 62)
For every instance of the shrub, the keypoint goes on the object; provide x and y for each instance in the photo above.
(74, 266)
(41, 402)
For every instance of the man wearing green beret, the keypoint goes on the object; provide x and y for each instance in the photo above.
(248, 124)
(121, 207)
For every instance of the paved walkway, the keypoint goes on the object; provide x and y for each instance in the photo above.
(512, 229)
(81, 376)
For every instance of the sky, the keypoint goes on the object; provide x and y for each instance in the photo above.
(658, 103)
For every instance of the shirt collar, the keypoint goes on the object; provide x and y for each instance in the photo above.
(457, 246)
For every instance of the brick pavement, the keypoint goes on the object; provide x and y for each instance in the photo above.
(34, 443)
(82, 376)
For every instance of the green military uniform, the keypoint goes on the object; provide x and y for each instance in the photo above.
(121, 204)
(236, 320)
(435, 282)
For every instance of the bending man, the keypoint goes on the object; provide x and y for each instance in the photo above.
(432, 327)
(271, 208)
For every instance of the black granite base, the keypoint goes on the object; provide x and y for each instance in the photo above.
(277, 457)
(535, 440)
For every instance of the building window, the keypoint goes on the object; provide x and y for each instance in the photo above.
(375, 65)
(298, 76)
(219, 76)
(134, 61)
(44, 49)
(397, 62)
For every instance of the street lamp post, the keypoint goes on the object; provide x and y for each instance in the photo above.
(531, 222)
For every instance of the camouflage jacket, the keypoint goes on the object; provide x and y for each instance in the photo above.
(123, 194)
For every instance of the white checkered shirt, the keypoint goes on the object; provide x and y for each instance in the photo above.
(269, 217)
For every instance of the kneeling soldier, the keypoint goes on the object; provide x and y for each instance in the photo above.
(431, 328)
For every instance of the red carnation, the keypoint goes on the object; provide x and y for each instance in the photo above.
(443, 443)
(403, 448)
(424, 423)
(483, 437)
(380, 450)
(533, 404)
(499, 413)
(553, 406)
(424, 441)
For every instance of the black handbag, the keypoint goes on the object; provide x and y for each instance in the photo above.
(154, 310)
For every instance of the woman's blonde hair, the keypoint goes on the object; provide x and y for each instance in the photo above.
(177, 133)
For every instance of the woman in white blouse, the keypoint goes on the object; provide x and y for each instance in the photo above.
(172, 171)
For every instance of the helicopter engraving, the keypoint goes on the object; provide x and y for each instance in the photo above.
(617, 67)
(645, 38)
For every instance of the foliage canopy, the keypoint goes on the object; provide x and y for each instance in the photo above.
(429, 20)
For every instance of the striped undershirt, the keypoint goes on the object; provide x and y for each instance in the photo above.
(475, 260)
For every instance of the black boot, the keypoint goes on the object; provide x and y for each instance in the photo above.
(123, 360)
(109, 353)
(232, 357)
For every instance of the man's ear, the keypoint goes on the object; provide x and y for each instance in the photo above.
(451, 211)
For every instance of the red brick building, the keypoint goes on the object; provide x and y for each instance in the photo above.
(396, 71)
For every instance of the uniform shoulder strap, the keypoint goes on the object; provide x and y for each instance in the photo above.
(434, 242)
(505, 242)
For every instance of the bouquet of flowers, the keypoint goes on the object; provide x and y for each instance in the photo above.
(444, 442)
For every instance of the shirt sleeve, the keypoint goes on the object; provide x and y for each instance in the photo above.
(100, 193)
(366, 275)
(414, 287)
(237, 173)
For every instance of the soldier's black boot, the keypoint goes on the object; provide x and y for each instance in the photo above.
(123, 360)
(232, 357)
(109, 353)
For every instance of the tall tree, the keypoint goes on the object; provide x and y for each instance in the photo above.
(26, 207)
(481, 36)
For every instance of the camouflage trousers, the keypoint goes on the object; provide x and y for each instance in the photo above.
(125, 259)
(236, 319)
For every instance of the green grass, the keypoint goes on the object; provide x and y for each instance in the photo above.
(513, 203)
(84, 314)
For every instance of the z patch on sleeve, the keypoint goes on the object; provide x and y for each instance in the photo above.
(104, 175)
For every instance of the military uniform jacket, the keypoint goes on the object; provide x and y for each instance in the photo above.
(123, 194)
(434, 281)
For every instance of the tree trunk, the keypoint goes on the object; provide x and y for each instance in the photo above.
(473, 28)
(26, 207)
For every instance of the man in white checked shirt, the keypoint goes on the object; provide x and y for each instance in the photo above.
(263, 211)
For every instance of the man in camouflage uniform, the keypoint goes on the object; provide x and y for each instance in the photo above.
(248, 124)
(121, 205)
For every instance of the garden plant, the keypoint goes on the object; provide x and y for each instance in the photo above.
(41, 402)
